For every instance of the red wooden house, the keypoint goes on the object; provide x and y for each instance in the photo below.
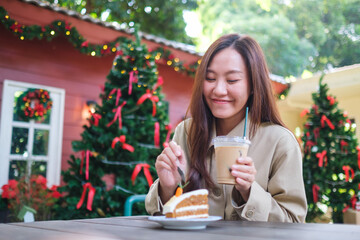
(72, 79)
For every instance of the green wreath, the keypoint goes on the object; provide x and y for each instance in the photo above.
(34, 104)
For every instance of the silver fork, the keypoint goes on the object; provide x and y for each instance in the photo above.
(182, 176)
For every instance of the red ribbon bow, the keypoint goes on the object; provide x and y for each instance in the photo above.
(343, 144)
(118, 94)
(304, 112)
(159, 82)
(16, 27)
(86, 153)
(85, 44)
(90, 199)
(358, 149)
(346, 170)
(157, 134)
(117, 115)
(149, 95)
(316, 109)
(96, 118)
(315, 191)
(309, 144)
(168, 128)
(124, 145)
(322, 157)
(353, 201)
(138, 168)
(132, 79)
(328, 122)
(331, 100)
(316, 133)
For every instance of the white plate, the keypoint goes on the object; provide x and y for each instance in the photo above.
(184, 224)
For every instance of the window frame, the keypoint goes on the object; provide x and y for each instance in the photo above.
(55, 127)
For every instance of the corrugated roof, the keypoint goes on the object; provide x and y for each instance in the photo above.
(116, 26)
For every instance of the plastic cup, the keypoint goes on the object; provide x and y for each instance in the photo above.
(227, 150)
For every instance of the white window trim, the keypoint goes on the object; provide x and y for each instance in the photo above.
(55, 137)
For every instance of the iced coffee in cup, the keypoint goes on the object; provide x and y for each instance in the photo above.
(227, 150)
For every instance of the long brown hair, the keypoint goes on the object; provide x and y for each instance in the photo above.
(261, 103)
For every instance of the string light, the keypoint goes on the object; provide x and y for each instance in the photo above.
(123, 71)
(135, 68)
(115, 63)
(75, 37)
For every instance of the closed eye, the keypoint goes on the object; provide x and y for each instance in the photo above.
(210, 79)
(232, 81)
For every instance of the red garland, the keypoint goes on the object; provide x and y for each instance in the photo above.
(132, 79)
(346, 170)
(322, 157)
(91, 195)
(147, 173)
(118, 94)
(328, 122)
(124, 145)
(157, 134)
(88, 154)
(149, 95)
(117, 115)
(315, 191)
(168, 128)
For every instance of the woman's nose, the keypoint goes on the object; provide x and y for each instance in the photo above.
(220, 88)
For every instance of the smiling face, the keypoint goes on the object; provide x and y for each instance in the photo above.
(227, 88)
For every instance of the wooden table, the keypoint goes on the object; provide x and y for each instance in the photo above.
(139, 227)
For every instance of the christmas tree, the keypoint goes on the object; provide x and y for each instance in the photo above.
(331, 163)
(121, 140)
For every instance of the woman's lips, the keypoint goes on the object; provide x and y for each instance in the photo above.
(220, 101)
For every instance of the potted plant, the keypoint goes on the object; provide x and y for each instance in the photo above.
(31, 193)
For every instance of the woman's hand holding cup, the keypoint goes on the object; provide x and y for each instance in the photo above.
(244, 172)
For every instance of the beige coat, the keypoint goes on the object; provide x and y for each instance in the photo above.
(276, 195)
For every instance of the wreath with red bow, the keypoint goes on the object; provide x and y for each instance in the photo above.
(34, 104)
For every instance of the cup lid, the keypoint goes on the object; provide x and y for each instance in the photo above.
(224, 139)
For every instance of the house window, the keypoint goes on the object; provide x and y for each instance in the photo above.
(30, 147)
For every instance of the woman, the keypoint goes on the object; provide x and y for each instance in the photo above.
(269, 186)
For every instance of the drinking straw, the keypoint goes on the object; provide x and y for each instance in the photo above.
(246, 117)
